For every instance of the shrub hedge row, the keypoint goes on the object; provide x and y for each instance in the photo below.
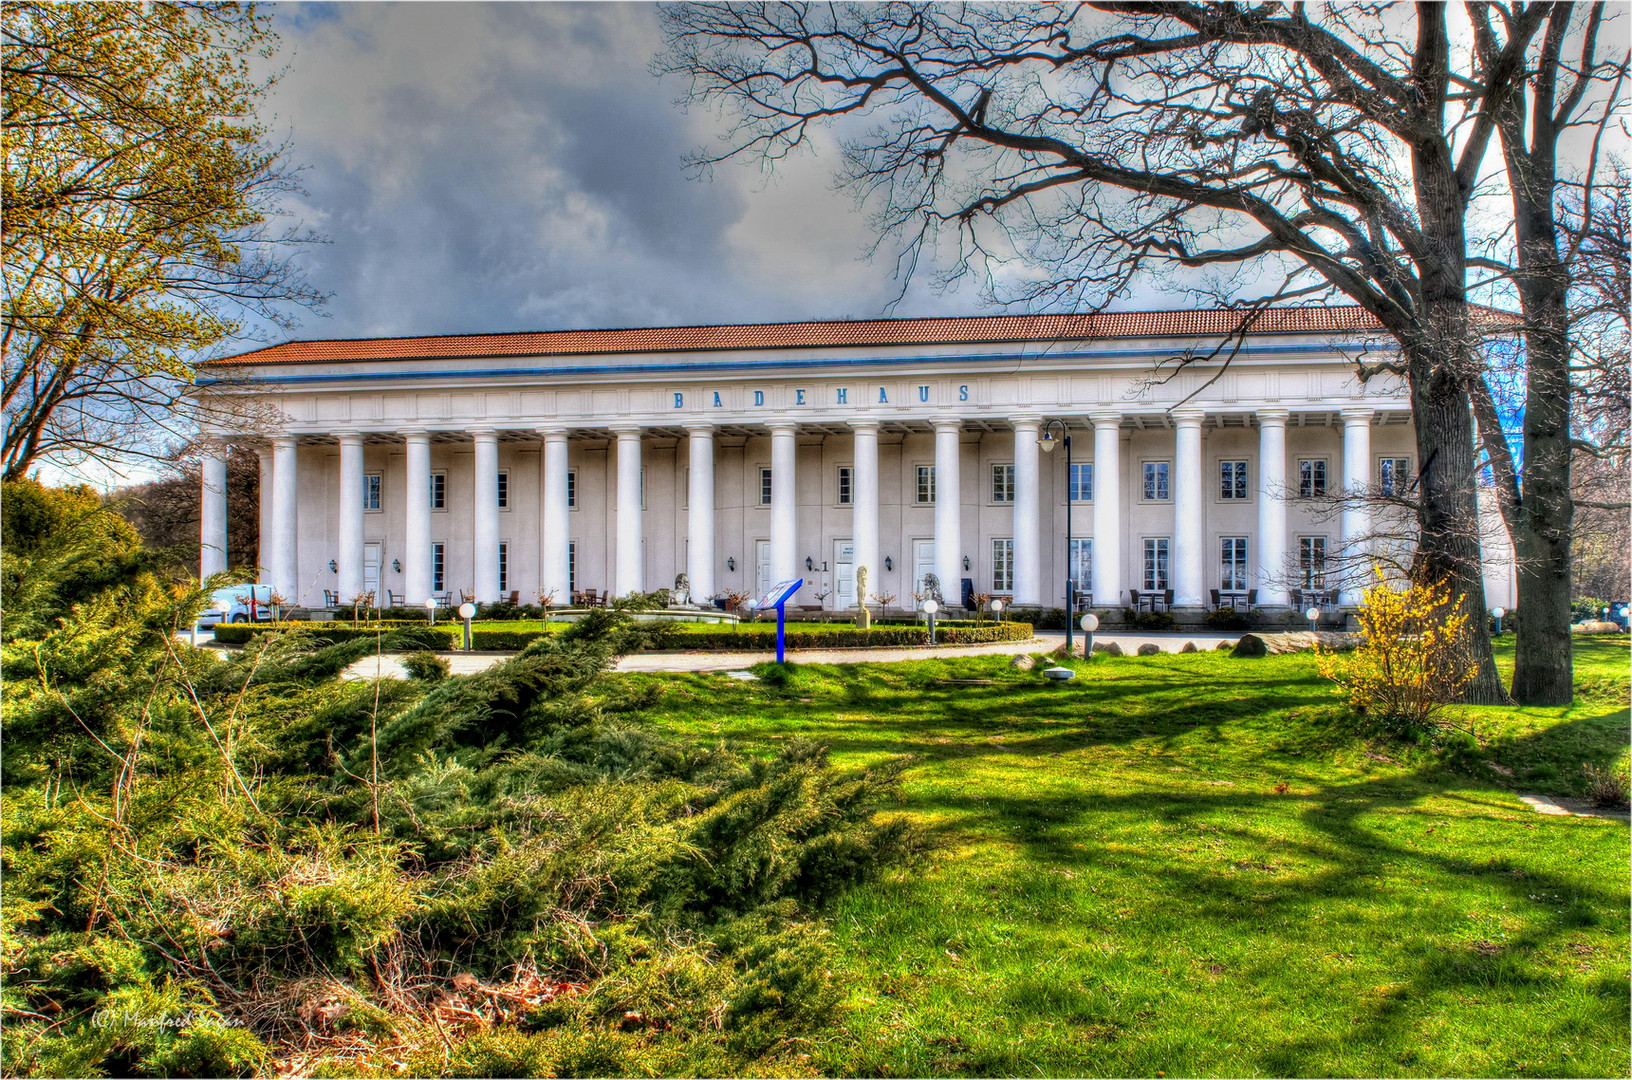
(676, 636)
(844, 637)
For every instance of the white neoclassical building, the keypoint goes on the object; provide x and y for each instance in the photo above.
(615, 460)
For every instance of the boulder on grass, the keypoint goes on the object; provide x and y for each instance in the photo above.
(1224, 646)
(1250, 645)
(1061, 651)
(1023, 662)
(1150, 648)
(1188, 646)
(1109, 648)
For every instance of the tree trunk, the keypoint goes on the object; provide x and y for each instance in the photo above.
(1448, 513)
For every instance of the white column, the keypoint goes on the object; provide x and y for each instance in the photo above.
(1107, 569)
(630, 575)
(485, 527)
(1189, 509)
(864, 506)
(348, 544)
(1356, 513)
(700, 512)
(1271, 538)
(212, 539)
(1027, 529)
(555, 524)
(285, 508)
(784, 502)
(948, 511)
(416, 503)
(263, 542)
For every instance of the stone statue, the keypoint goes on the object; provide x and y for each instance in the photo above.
(682, 589)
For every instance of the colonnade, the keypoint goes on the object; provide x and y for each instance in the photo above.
(1188, 484)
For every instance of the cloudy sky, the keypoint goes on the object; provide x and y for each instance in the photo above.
(515, 166)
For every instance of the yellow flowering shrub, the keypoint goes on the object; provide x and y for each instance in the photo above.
(1412, 660)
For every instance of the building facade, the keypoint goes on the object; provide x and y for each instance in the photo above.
(615, 460)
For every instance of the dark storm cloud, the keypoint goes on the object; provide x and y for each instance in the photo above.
(515, 166)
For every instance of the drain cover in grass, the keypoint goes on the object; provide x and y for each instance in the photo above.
(744, 676)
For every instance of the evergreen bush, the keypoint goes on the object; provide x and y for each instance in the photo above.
(259, 853)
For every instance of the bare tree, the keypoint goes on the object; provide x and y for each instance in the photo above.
(1339, 145)
(138, 194)
(166, 511)
(1565, 82)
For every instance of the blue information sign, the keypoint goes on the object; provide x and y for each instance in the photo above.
(778, 598)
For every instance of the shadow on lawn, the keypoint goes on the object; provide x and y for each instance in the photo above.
(1348, 855)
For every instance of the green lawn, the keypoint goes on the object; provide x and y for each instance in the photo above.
(1121, 885)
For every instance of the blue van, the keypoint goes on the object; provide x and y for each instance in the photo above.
(239, 603)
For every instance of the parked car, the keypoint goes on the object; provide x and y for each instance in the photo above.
(240, 603)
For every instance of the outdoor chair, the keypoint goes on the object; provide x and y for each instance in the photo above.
(396, 599)
(331, 599)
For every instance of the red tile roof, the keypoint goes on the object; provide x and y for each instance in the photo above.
(964, 330)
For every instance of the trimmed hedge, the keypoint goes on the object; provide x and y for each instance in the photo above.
(335, 632)
(844, 637)
(675, 636)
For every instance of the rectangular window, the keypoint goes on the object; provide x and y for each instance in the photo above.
(685, 488)
(926, 484)
(1233, 569)
(1003, 566)
(1394, 475)
(504, 567)
(439, 567)
(572, 489)
(439, 491)
(504, 491)
(1232, 479)
(1156, 489)
(1311, 478)
(764, 487)
(643, 487)
(1312, 561)
(846, 473)
(1082, 481)
(1003, 483)
(572, 566)
(1082, 565)
(1156, 578)
(371, 491)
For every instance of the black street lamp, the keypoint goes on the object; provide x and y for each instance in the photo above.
(1047, 443)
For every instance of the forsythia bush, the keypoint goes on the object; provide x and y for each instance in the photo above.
(1411, 661)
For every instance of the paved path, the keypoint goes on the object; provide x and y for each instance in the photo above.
(461, 663)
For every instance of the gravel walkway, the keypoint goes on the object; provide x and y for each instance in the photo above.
(461, 663)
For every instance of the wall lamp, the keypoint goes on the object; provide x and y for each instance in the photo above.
(889, 563)
(731, 563)
(966, 562)
(334, 567)
(810, 564)
(396, 564)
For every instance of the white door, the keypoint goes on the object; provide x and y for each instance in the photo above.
(923, 562)
(844, 574)
(372, 554)
(762, 573)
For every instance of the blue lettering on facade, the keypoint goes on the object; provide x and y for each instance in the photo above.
(679, 401)
(963, 393)
(923, 393)
(716, 399)
(759, 397)
(883, 396)
(841, 400)
(798, 397)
